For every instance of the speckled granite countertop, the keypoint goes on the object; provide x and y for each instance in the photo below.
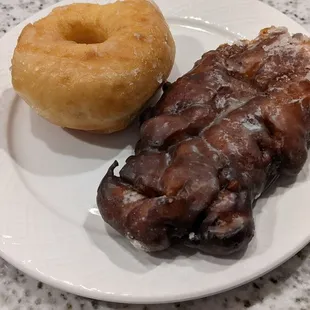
(287, 287)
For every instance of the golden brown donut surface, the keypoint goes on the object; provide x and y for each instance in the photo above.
(92, 67)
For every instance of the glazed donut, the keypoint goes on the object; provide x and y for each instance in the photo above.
(93, 67)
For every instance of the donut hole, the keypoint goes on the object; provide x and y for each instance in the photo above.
(84, 34)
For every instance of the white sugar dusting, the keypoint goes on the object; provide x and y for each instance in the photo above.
(220, 103)
(252, 127)
(307, 77)
(296, 101)
(252, 124)
(232, 104)
(137, 35)
(211, 148)
(240, 42)
(195, 150)
(140, 246)
(275, 115)
(285, 44)
(193, 237)
(201, 100)
(231, 144)
(277, 30)
(258, 112)
(160, 78)
(217, 79)
(167, 158)
(131, 196)
(165, 125)
(135, 72)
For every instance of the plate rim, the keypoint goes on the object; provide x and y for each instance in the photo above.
(127, 299)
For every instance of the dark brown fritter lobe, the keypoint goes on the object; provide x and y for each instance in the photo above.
(216, 140)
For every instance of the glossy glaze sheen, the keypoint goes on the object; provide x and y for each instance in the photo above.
(218, 137)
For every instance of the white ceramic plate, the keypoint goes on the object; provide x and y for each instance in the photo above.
(49, 223)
